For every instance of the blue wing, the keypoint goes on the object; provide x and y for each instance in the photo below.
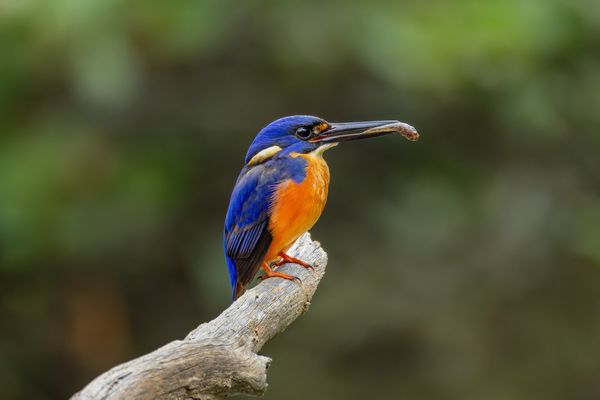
(246, 237)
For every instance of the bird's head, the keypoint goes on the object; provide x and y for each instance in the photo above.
(305, 134)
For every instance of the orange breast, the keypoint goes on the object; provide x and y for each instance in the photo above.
(298, 206)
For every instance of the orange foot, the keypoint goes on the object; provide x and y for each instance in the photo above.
(287, 259)
(269, 273)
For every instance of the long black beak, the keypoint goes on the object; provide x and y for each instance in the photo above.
(346, 131)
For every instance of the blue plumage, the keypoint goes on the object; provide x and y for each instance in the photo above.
(246, 235)
(232, 273)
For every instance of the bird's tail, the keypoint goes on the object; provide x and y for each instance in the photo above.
(239, 290)
(233, 278)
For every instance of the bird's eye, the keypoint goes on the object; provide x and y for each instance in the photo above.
(303, 133)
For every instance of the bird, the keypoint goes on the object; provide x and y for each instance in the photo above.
(282, 189)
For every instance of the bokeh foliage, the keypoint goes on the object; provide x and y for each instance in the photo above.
(463, 266)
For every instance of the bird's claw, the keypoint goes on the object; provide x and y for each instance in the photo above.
(292, 260)
(273, 274)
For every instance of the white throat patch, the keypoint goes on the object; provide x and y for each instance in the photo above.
(322, 149)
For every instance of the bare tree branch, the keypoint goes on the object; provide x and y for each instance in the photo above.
(218, 358)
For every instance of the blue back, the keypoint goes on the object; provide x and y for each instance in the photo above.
(246, 236)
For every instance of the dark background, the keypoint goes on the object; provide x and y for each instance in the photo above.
(463, 266)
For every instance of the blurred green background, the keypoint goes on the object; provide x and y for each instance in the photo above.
(463, 266)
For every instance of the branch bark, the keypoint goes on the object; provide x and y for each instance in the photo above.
(219, 358)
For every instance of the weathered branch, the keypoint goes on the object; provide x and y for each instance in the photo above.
(218, 358)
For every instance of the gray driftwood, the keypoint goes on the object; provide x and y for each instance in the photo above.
(218, 358)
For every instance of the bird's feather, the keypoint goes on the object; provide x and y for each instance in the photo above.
(247, 236)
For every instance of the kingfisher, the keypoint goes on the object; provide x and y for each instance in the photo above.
(282, 190)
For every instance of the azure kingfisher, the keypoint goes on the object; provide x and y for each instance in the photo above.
(282, 190)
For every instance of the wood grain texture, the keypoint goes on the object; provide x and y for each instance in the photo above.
(218, 358)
